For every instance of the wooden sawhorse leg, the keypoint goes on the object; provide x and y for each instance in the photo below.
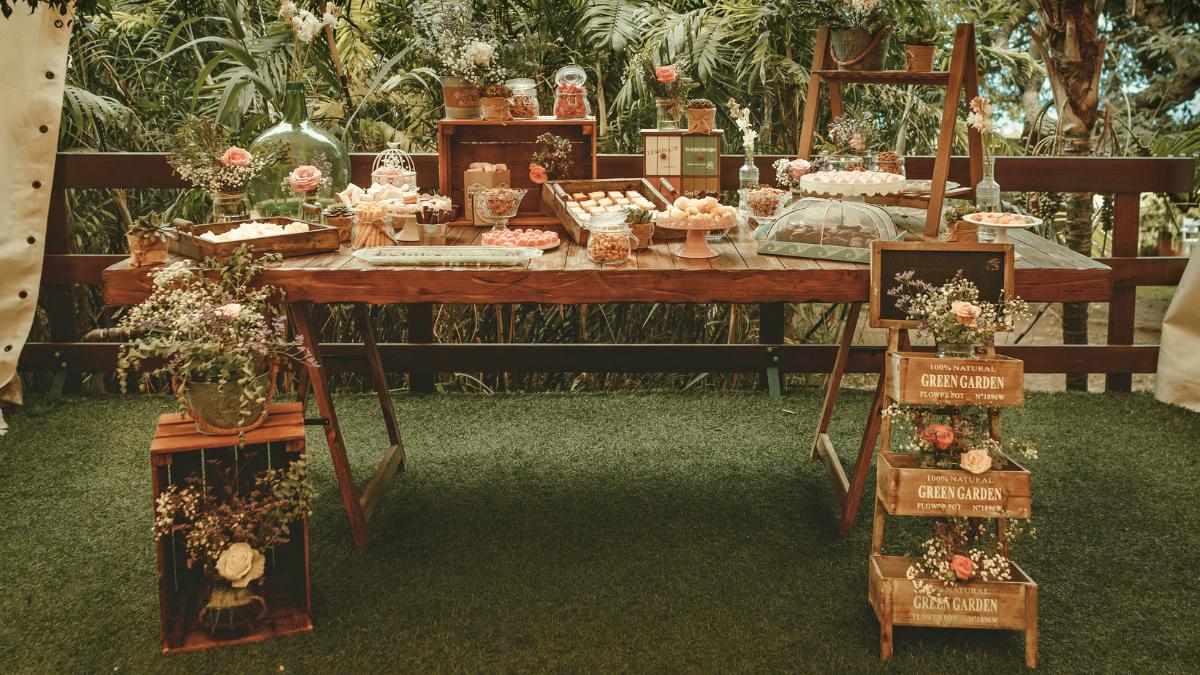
(358, 509)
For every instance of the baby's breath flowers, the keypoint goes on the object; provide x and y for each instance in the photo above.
(205, 156)
(960, 552)
(953, 312)
(953, 440)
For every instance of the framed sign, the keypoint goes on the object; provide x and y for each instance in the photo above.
(988, 266)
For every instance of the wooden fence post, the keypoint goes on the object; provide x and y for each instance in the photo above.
(1126, 222)
(420, 331)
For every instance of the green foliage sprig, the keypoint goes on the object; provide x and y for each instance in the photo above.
(554, 155)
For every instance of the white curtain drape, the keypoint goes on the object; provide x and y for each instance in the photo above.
(33, 51)
(1178, 380)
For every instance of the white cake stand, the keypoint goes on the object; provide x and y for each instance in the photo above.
(1002, 228)
(891, 187)
(696, 244)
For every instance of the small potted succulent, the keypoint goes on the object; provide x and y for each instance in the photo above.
(701, 115)
(920, 36)
(641, 225)
(493, 101)
(148, 241)
(340, 216)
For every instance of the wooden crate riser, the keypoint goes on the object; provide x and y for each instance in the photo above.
(918, 378)
(318, 239)
(907, 489)
(554, 205)
(1002, 605)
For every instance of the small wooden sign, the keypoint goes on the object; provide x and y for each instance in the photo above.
(988, 266)
(923, 379)
(906, 489)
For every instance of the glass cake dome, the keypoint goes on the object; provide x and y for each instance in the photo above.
(827, 228)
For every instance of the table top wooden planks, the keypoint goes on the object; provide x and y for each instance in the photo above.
(1046, 272)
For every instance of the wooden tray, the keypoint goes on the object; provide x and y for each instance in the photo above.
(922, 378)
(1006, 605)
(187, 242)
(907, 489)
(555, 192)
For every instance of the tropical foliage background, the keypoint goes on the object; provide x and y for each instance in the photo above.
(139, 66)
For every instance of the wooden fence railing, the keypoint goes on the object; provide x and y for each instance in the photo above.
(1119, 358)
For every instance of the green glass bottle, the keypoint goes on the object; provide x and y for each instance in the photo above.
(308, 144)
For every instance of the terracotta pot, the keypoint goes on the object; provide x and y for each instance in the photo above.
(859, 49)
(495, 109)
(461, 98)
(146, 251)
(701, 120)
(919, 57)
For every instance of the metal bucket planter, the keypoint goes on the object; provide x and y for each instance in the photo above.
(461, 98)
(859, 49)
(217, 408)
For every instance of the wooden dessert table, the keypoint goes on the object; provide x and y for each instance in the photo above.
(1045, 272)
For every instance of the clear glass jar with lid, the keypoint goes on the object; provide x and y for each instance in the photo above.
(523, 103)
(570, 93)
(610, 240)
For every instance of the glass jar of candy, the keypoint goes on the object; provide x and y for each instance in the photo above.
(523, 103)
(570, 94)
(610, 239)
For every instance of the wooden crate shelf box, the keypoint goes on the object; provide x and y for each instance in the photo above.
(177, 452)
(921, 378)
(906, 489)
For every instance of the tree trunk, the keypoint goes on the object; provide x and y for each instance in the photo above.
(1074, 55)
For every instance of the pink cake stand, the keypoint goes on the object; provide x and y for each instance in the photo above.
(695, 246)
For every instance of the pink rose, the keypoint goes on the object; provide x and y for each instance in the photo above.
(798, 167)
(965, 313)
(306, 178)
(236, 156)
(941, 435)
(964, 568)
(976, 461)
(666, 74)
(537, 174)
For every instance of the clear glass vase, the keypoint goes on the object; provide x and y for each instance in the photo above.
(987, 196)
(669, 111)
(307, 144)
(955, 350)
(748, 177)
(229, 207)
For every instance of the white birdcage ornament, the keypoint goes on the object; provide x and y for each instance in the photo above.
(394, 167)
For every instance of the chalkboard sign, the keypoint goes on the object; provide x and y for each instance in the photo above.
(988, 266)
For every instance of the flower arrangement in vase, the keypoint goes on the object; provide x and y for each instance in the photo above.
(669, 85)
(464, 52)
(147, 239)
(748, 174)
(551, 160)
(960, 439)
(227, 529)
(307, 180)
(205, 156)
(987, 191)
(859, 30)
(953, 313)
(220, 338)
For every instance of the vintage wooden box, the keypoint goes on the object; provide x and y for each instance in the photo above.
(1007, 605)
(906, 489)
(921, 378)
(555, 193)
(187, 242)
(177, 452)
(461, 142)
(689, 162)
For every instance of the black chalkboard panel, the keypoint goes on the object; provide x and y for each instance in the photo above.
(988, 266)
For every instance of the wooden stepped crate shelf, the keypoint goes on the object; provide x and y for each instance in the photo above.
(921, 378)
(907, 489)
(178, 451)
(935, 78)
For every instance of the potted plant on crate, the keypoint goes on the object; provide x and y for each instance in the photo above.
(859, 30)
(960, 552)
(219, 339)
(920, 36)
(669, 85)
(228, 529)
(148, 241)
(701, 115)
(953, 313)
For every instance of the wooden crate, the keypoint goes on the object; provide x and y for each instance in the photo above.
(554, 198)
(1005, 605)
(187, 242)
(686, 161)
(177, 452)
(906, 489)
(923, 379)
(461, 142)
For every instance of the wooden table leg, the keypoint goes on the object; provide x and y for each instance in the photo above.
(394, 460)
(862, 465)
(420, 330)
(770, 332)
(302, 316)
(834, 385)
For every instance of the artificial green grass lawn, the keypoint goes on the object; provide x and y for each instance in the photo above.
(606, 532)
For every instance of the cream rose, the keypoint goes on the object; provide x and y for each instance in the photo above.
(306, 178)
(240, 564)
(975, 461)
(481, 53)
(230, 311)
(965, 313)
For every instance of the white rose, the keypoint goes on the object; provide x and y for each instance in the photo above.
(481, 54)
(230, 311)
(976, 461)
(240, 564)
